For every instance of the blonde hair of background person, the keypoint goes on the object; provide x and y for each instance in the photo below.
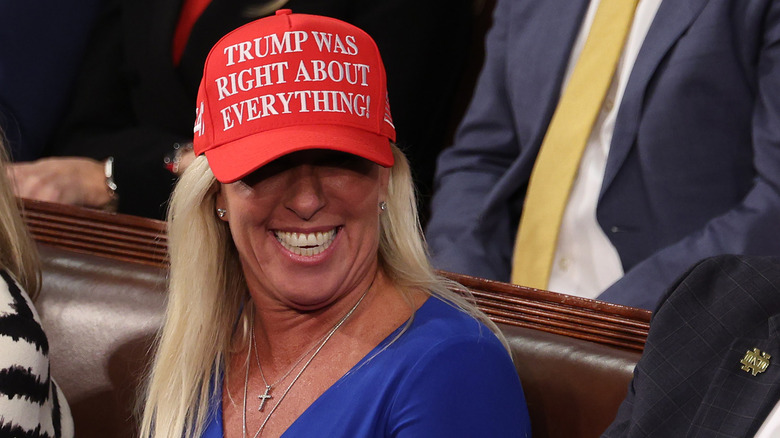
(24, 410)
(18, 254)
(207, 292)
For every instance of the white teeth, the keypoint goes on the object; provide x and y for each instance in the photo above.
(306, 244)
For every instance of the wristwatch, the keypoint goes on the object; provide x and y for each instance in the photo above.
(108, 170)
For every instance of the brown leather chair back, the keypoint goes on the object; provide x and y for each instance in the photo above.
(102, 303)
(573, 387)
(100, 316)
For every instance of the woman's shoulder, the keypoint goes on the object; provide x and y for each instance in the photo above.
(457, 365)
(439, 327)
(14, 300)
(443, 319)
(29, 398)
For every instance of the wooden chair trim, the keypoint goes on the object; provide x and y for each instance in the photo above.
(577, 317)
(117, 236)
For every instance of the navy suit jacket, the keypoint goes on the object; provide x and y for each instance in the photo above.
(689, 381)
(42, 45)
(694, 165)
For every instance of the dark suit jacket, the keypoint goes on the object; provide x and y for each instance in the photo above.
(694, 164)
(133, 104)
(689, 381)
(42, 45)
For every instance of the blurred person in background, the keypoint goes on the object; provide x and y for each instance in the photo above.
(42, 46)
(31, 404)
(127, 133)
(611, 144)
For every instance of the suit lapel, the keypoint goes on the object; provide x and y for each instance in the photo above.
(539, 47)
(738, 402)
(538, 42)
(670, 23)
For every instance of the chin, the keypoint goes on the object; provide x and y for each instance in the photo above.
(309, 295)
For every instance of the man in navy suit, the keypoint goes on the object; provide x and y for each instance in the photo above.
(683, 163)
(711, 365)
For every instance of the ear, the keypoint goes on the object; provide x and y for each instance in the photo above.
(384, 182)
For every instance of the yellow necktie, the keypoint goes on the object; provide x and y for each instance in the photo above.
(559, 156)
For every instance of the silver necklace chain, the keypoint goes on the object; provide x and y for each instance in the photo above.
(268, 387)
(297, 376)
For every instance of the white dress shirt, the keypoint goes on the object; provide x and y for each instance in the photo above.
(586, 262)
(771, 426)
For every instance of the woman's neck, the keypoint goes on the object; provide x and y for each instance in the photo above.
(283, 334)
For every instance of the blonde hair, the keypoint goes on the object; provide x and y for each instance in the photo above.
(207, 292)
(18, 254)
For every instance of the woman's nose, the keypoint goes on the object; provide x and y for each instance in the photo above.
(305, 195)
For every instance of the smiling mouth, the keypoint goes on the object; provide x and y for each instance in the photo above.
(306, 244)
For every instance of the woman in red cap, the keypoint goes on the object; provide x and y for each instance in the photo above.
(301, 298)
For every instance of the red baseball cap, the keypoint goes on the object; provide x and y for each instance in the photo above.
(287, 83)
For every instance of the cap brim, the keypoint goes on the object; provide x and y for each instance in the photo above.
(232, 161)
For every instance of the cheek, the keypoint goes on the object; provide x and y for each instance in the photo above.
(358, 188)
(360, 204)
(248, 212)
(242, 238)
(249, 204)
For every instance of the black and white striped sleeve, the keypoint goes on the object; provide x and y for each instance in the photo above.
(31, 404)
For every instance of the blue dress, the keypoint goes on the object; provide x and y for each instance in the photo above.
(447, 376)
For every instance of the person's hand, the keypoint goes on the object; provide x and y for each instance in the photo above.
(66, 180)
(187, 157)
(178, 159)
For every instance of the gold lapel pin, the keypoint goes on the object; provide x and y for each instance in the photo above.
(755, 361)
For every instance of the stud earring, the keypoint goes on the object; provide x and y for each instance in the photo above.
(383, 206)
(221, 212)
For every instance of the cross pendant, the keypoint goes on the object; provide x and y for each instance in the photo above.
(264, 397)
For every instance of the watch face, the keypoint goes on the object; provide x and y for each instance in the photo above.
(109, 172)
